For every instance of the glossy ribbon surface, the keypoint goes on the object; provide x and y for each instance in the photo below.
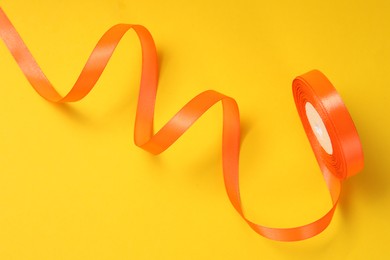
(312, 87)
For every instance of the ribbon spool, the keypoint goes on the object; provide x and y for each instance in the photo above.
(328, 125)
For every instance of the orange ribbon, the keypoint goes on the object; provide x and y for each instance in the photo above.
(313, 87)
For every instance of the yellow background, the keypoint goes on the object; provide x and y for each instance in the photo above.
(74, 186)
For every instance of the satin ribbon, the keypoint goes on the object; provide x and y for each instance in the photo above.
(313, 86)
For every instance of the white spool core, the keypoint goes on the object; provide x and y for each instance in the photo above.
(318, 127)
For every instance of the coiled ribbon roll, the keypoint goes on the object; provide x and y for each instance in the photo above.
(328, 125)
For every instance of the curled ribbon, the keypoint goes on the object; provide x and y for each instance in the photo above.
(311, 88)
